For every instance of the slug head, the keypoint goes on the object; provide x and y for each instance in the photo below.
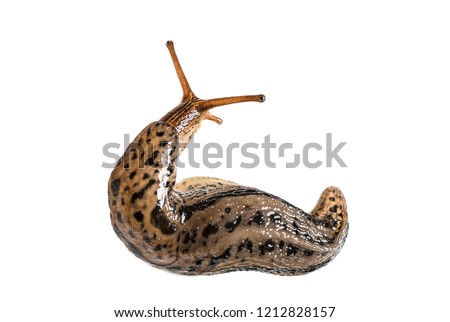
(187, 116)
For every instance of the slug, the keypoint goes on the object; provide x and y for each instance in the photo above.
(205, 225)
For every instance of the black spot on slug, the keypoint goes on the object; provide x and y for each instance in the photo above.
(159, 219)
(139, 216)
(209, 230)
(146, 176)
(333, 209)
(249, 246)
(186, 214)
(245, 244)
(230, 226)
(159, 133)
(276, 218)
(227, 210)
(115, 186)
(119, 217)
(291, 250)
(190, 237)
(268, 246)
(151, 161)
(257, 218)
(140, 194)
(145, 237)
(308, 252)
(281, 244)
(325, 224)
(225, 255)
(198, 262)
(241, 246)
(132, 174)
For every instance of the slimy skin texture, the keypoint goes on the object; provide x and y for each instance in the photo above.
(206, 225)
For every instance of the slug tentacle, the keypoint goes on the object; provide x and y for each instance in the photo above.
(206, 225)
(187, 115)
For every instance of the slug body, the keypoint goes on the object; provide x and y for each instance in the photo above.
(207, 225)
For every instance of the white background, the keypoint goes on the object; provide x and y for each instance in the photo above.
(77, 75)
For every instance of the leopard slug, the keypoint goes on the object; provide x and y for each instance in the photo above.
(205, 225)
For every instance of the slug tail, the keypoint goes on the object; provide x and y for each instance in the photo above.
(332, 209)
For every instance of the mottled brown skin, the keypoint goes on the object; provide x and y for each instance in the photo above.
(207, 225)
